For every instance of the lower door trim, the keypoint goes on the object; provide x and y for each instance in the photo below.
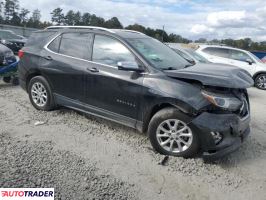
(105, 114)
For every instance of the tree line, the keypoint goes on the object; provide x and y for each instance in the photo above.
(71, 17)
(11, 13)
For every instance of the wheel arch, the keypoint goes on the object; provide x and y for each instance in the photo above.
(159, 106)
(257, 74)
(33, 73)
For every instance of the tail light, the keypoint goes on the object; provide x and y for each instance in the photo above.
(20, 54)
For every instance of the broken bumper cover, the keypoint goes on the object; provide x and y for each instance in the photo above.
(232, 128)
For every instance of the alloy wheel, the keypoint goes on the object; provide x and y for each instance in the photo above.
(174, 135)
(261, 82)
(39, 94)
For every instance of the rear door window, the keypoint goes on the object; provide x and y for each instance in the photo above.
(215, 51)
(77, 45)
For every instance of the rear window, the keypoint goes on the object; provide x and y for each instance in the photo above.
(76, 45)
(39, 39)
(221, 52)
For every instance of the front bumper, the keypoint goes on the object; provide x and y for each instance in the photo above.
(233, 129)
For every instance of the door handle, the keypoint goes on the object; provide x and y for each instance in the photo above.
(48, 58)
(94, 70)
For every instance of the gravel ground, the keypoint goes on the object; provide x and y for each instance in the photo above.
(84, 157)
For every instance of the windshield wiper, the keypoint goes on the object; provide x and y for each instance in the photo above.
(169, 68)
(156, 59)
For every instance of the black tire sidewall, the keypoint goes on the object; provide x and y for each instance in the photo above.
(256, 80)
(7, 79)
(173, 113)
(50, 100)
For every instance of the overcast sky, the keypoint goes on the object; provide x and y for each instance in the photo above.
(190, 18)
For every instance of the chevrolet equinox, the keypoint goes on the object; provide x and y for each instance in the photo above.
(130, 78)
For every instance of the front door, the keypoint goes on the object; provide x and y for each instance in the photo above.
(115, 91)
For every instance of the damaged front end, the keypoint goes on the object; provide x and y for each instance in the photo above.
(224, 122)
(223, 112)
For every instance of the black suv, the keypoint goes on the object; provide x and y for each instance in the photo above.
(130, 78)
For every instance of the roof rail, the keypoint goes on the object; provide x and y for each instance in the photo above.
(81, 27)
(126, 30)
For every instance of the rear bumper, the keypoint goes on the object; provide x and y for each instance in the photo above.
(232, 128)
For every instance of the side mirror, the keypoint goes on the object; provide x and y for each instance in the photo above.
(249, 61)
(129, 66)
(192, 62)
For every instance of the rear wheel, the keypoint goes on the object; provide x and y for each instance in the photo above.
(40, 94)
(260, 81)
(170, 133)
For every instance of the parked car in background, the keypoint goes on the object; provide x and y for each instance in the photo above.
(133, 79)
(189, 54)
(236, 57)
(263, 59)
(11, 40)
(260, 54)
(8, 65)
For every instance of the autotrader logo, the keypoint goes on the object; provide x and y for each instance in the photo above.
(27, 193)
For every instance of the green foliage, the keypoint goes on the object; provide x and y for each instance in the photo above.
(113, 23)
(58, 16)
(158, 34)
(245, 43)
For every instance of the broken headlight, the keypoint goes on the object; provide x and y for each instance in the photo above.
(224, 101)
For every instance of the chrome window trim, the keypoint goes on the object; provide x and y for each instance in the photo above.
(46, 48)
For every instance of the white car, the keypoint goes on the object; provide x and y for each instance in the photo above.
(236, 57)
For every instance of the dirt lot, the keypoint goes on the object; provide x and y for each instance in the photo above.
(90, 158)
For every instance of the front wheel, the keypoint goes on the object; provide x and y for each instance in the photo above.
(260, 81)
(170, 134)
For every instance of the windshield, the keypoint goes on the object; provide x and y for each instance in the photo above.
(197, 56)
(157, 54)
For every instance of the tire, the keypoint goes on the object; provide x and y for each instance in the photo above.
(7, 79)
(188, 135)
(39, 83)
(260, 81)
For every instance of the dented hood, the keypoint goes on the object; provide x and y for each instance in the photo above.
(211, 74)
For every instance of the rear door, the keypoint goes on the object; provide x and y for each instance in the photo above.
(63, 62)
(112, 90)
(217, 55)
